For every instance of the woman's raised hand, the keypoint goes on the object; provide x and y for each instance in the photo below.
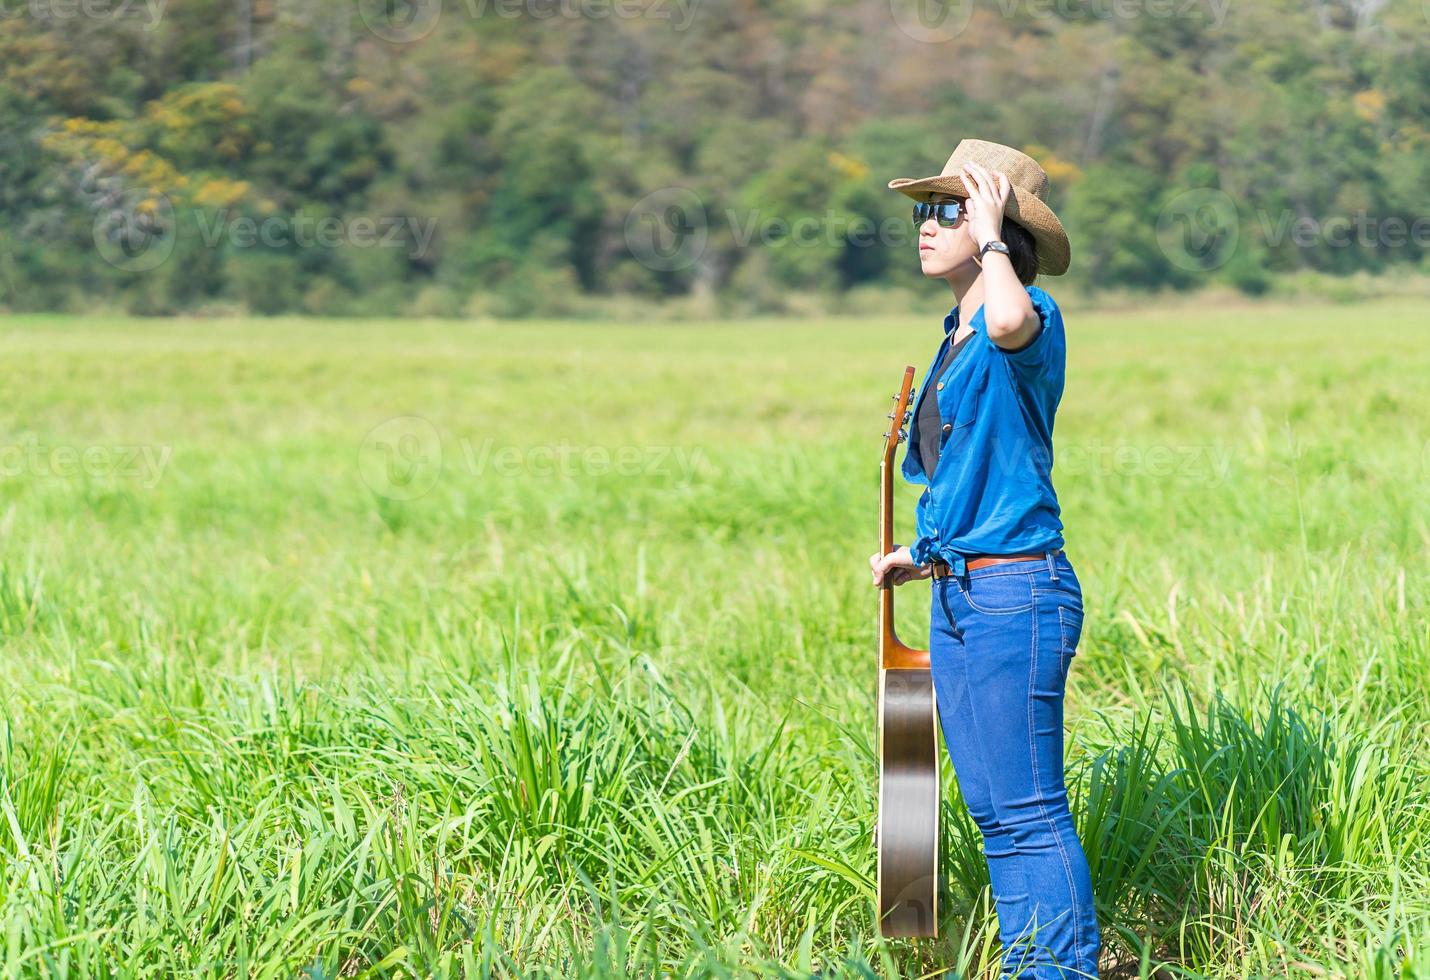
(987, 197)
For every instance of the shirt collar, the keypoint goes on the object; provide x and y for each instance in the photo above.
(950, 321)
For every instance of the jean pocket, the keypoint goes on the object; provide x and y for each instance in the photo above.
(1069, 633)
(998, 594)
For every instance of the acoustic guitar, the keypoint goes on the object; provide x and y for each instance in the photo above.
(907, 833)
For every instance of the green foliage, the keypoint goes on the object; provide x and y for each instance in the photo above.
(1117, 208)
(530, 139)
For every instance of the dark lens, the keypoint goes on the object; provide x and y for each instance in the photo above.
(948, 213)
(921, 214)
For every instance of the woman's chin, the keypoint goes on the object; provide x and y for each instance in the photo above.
(938, 267)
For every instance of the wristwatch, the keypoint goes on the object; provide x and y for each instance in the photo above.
(993, 246)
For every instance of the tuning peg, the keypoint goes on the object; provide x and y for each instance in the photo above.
(903, 436)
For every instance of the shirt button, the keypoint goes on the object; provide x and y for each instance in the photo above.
(940, 386)
(948, 427)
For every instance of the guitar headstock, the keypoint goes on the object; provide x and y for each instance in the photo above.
(899, 418)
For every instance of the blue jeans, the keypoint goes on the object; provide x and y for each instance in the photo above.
(1002, 639)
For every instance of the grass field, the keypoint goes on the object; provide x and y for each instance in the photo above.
(394, 649)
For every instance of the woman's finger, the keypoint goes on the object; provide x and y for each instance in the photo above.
(979, 177)
(990, 185)
(970, 182)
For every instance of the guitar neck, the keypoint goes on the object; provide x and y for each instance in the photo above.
(888, 641)
(892, 653)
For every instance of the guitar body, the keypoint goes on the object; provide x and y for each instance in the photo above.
(908, 830)
(908, 804)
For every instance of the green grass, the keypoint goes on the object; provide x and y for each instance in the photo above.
(600, 701)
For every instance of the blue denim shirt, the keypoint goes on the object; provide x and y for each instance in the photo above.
(992, 490)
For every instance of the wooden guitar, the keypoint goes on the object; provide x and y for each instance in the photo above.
(907, 832)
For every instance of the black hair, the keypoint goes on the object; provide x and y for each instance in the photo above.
(1022, 249)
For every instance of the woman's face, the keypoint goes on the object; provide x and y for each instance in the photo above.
(942, 250)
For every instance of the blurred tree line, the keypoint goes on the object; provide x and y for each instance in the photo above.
(518, 157)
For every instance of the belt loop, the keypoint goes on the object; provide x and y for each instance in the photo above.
(1052, 565)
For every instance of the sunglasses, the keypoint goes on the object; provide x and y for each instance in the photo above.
(946, 213)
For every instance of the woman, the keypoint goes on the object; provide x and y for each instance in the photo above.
(1007, 606)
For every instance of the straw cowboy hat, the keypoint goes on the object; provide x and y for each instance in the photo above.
(1029, 185)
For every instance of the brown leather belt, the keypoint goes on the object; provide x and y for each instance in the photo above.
(944, 570)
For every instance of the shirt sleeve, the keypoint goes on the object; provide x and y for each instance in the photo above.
(922, 550)
(1040, 362)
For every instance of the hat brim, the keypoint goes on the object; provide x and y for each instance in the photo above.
(1024, 207)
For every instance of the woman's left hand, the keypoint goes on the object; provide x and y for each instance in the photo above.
(897, 566)
(987, 196)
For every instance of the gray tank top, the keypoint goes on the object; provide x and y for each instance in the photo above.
(929, 423)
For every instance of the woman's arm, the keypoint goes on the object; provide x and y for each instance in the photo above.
(1008, 314)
